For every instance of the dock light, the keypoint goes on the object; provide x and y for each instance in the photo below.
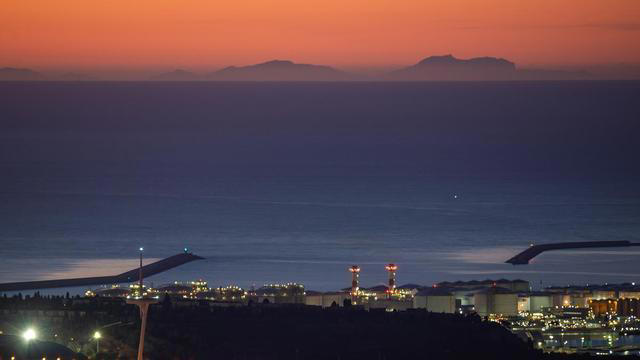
(29, 335)
(186, 250)
(141, 248)
(96, 337)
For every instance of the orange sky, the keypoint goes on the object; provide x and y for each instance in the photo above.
(207, 34)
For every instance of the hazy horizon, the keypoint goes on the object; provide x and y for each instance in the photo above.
(605, 71)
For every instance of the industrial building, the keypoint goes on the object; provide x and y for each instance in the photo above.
(537, 301)
(628, 307)
(517, 285)
(436, 300)
(615, 307)
(566, 313)
(327, 299)
(496, 300)
(633, 293)
(175, 288)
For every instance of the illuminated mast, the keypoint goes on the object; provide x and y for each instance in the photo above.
(391, 268)
(355, 282)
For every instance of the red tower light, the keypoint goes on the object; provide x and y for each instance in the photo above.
(391, 267)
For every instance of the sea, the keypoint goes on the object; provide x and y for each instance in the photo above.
(295, 182)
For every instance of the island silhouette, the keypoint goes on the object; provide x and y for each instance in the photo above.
(432, 68)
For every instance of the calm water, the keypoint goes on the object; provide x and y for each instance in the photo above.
(294, 182)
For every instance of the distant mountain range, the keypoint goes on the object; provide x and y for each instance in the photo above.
(13, 74)
(447, 67)
(433, 68)
(281, 70)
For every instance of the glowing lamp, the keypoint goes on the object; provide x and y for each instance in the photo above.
(29, 334)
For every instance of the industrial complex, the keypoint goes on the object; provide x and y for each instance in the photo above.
(596, 319)
(588, 318)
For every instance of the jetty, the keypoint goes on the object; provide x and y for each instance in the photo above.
(126, 277)
(524, 257)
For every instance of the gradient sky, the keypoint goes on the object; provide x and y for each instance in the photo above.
(205, 34)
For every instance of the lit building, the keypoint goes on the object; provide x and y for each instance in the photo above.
(224, 294)
(175, 288)
(601, 308)
(187, 290)
(279, 293)
(199, 286)
(524, 303)
(603, 294)
(629, 294)
(134, 291)
(114, 291)
(378, 291)
(615, 307)
(408, 290)
(566, 313)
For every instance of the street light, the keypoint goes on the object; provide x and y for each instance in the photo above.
(97, 336)
(29, 335)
